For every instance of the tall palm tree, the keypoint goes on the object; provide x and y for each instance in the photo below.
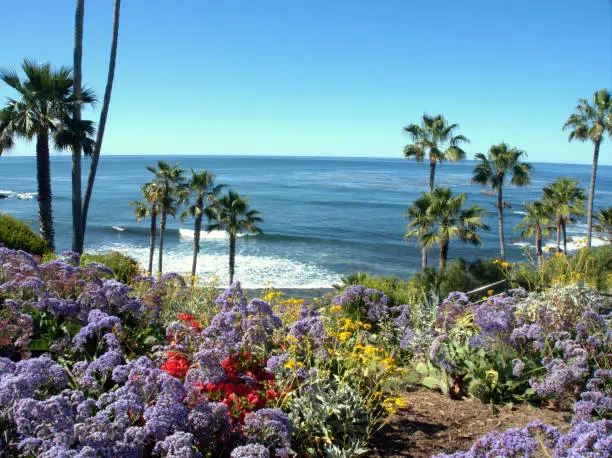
(233, 215)
(436, 139)
(566, 197)
(205, 193)
(149, 207)
(95, 157)
(45, 101)
(419, 224)
(603, 222)
(170, 179)
(447, 219)
(536, 222)
(493, 169)
(591, 122)
(77, 219)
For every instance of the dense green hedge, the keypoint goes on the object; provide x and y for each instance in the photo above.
(17, 235)
(123, 266)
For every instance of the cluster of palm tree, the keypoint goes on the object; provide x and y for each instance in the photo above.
(436, 217)
(200, 197)
(48, 108)
(562, 201)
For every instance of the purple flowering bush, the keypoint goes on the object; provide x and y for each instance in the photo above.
(518, 346)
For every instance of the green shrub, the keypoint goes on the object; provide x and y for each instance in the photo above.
(123, 266)
(591, 267)
(17, 235)
(460, 275)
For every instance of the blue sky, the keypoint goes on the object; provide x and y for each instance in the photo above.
(323, 77)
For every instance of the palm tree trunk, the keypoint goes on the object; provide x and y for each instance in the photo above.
(424, 259)
(196, 243)
(162, 229)
(77, 219)
(103, 115)
(232, 257)
(500, 218)
(432, 175)
(564, 236)
(592, 194)
(43, 175)
(443, 255)
(153, 241)
(558, 233)
(538, 242)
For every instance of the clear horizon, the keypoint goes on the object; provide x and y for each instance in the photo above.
(321, 79)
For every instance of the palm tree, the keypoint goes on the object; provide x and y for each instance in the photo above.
(536, 222)
(603, 223)
(205, 194)
(566, 197)
(419, 224)
(493, 169)
(170, 180)
(95, 158)
(591, 122)
(434, 138)
(77, 220)
(45, 102)
(149, 207)
(233, 215)
(446, 219)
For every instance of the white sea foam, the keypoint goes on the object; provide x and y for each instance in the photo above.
(251, 271)
(119, 228)
(518, 212)
(204, 235)
(19, 195)
(576, 243)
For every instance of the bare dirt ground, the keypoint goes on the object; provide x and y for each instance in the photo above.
(432, 423)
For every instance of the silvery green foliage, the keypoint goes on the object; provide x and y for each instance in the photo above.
(330, 420)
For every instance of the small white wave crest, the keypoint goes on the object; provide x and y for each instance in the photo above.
(518, 212)
(205, 235)
(119, 228)
(18, 194)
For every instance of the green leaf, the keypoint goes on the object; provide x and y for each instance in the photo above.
(39, 345)
(430, 382)
(422, 368)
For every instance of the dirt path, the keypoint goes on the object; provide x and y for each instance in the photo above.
(432, 423)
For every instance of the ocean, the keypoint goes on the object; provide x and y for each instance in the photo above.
(324, 217)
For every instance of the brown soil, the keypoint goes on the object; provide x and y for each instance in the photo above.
(432, 423)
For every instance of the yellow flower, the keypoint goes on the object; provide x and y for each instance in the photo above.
(344, 335)
(290, 364)
(400, 402)
(291, 339)
(336, 309)
(366, 326)
(490, 292)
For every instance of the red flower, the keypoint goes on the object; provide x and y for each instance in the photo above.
(185, 317)
(177, 364)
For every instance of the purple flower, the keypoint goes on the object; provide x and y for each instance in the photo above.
(528, 337)
(517, 367)
(250, 451)
(269, 427)
(309, 328)
(98, 322)
(178, 445)
(49, 421)
(231, 297)
(369, 302)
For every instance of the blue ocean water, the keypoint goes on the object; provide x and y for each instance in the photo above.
(324, 217)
